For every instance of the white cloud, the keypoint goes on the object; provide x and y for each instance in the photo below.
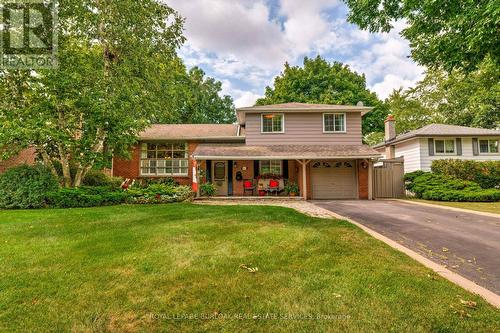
(245, 44)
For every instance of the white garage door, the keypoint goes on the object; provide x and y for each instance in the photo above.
(333, 180)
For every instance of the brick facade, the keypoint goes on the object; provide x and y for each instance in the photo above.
(26, 156)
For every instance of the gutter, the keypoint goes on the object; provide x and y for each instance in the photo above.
(299, 157)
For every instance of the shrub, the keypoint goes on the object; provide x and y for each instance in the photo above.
(431, 186)
(99, 178)
(292, 187)
(86, 197)
(26, 186)
(485, 173)
(208, 189)
(160, 193)
(146, 182)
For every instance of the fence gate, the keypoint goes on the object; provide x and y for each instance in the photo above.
(388, 177)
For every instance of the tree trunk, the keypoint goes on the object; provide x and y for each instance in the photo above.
(47, 161)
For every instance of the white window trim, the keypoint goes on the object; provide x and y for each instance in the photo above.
(272, 113)
(445, 153)
(335, 113)
(164, 175)
(281, 165)
(488, 153)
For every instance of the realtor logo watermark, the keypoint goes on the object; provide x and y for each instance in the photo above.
(28, 34)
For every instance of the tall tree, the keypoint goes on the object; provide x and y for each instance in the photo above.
(329, 83)
(448, 34)
(451, 98)
(196, 98)
(108, 84)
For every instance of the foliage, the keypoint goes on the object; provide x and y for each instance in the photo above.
(291, 187)
(270, 176)
(456, 98)
(99, 178)
(485, 173)
(208, 189)
(448, 34)
(26, 186)
(92, 196)
(86, 197)
(327, 83)
(373, 138)
(145, 182)
(431, 186)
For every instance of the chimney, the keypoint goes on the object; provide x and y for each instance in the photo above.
(390, 128)
(390, 133)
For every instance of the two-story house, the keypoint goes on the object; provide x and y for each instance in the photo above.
(315, 145)
(439, 141)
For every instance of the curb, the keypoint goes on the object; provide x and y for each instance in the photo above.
(459, 280)
(449, 208)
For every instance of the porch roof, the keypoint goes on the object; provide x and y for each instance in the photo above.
(249, 152)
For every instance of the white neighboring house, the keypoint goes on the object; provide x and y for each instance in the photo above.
(438, 141)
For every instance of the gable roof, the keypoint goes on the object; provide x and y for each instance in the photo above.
(192, 131)
(441, 130)
(299, 107)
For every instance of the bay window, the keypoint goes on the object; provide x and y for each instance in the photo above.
(164, 159)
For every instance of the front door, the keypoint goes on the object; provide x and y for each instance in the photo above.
(219, 172)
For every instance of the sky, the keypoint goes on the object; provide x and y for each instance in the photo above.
(245, 43)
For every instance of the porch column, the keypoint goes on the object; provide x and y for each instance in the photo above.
(194, 183)
(303, 164)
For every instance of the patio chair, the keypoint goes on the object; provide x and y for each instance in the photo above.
(248, 186)
(274, 186)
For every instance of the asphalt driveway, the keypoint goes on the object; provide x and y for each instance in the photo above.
(466, 243)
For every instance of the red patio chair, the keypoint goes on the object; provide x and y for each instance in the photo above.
(274, 186)
(248, 186)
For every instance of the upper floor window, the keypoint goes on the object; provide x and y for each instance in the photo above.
(273, 123)
(333, 122)
(270, 166)
(488, 146)
(445, 147)
(164, 159)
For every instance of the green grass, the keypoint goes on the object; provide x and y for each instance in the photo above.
(130, 268)
(488, 207)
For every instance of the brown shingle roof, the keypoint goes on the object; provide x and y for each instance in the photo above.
(242, 151)
(191, 131)
(441, 130)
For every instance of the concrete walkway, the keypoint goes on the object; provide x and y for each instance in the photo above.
(464, 242)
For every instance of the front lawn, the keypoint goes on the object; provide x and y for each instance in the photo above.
(488, 207)
(161, 268)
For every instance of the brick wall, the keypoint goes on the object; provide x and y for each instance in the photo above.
(26, 156)
(248, 173)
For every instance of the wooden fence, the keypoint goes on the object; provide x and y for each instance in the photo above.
(389, 179)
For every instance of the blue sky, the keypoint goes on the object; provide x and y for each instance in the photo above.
(244, 43)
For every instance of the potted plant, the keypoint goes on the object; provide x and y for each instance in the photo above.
(262, 190)
(292, 189)
(208, 189)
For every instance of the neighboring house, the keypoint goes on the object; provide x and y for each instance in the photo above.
(25, 156)
(438, 141)
(318, 146)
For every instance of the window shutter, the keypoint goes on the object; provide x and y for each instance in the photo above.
(475, 147)
(255, 169)
(209, 171)
(285, 169)
(459, 146)
(431, 147)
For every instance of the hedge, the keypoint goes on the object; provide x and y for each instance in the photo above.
(431, 186)
(484, 173)
(26, 186)
(106, 195)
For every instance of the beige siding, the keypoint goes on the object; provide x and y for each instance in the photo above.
(426, 160)
(410, 150)
(304, 128)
